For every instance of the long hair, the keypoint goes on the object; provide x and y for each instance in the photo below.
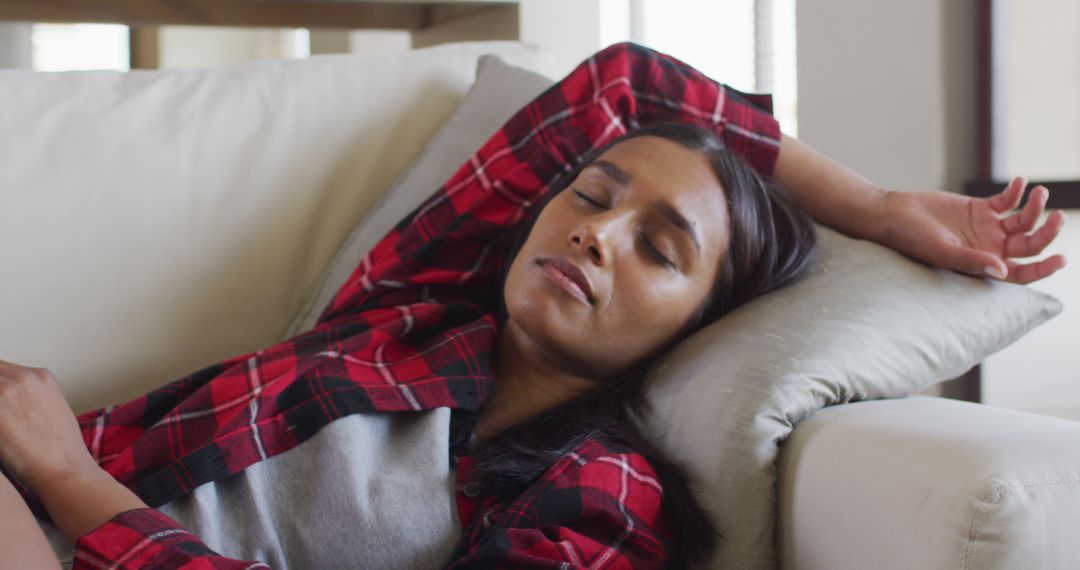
(772, 241)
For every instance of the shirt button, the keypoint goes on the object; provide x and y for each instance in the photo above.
(487, 518)
(471, 489)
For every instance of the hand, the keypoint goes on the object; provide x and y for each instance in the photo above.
(39, 436)
(967, 234)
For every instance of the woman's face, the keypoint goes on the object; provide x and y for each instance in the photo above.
(646, 225)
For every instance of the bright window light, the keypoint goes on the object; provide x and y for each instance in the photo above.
(724, 41)
(65, 47)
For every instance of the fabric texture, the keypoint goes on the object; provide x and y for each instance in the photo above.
(925, 482)
(154, 222)
(411, 329)
(366, 491)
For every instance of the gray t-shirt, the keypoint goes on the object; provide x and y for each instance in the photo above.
(366, 491)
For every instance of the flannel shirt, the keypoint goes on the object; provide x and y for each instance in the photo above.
(413, 328)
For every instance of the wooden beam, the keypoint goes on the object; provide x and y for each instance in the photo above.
(143, 47)
(969, 386)
(437, 15)
(264, 13)
(1064, 194)
(984, 91)
(447, 24)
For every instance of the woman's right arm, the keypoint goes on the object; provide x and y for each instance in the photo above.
(443, 247)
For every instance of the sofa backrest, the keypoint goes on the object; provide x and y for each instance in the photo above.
(156, 222)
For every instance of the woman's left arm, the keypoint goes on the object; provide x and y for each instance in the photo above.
(42, 447)
(941, 229)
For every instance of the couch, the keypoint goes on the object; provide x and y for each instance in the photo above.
(156, 222)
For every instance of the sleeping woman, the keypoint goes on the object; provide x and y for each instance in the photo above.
(508, 320)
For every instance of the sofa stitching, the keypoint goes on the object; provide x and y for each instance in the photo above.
(990, 497)
(975, 523)
(1031, 484)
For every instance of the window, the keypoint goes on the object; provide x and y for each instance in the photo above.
(747, 44)
(64, 47)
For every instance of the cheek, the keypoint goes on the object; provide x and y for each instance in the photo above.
(651, 305)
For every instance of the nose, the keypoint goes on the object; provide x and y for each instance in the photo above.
(591, 238)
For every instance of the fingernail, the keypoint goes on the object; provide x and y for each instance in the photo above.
(994, 272)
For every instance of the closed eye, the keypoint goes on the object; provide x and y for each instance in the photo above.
(585, 198)
(654, 252)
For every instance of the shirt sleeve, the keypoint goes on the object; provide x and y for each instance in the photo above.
(605, 513)
(146, 539)
(451, 239)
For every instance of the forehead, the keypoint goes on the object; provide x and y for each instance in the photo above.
(662, 171)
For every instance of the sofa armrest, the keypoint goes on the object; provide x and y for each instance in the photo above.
(926, 482)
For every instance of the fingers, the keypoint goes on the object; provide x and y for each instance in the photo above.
(1029, 272)
(1009, 198)
(1023, 245)
(972, 261)
(1024, 221)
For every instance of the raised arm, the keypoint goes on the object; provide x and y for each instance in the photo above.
(942, 229)
(444, 248)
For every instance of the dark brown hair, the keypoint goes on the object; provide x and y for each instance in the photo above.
(772, 242)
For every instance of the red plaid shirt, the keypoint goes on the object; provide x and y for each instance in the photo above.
(412, 329)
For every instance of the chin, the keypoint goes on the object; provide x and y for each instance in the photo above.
(545, 326)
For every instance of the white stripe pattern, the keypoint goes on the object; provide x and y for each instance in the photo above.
(99, 432)
(568, 548)
(238, 401)
(624, 489)
(721, 100)
(650, 481)
(384, 371)
(375, 364)
(253, 374)
(150, 539)
(406, 315)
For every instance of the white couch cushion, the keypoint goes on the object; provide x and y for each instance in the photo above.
(155, 222)
(929, 483)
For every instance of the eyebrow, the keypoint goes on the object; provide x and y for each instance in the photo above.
(613, 172)
(675, 217)
(669, 212)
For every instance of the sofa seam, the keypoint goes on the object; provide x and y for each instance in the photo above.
(987, 500)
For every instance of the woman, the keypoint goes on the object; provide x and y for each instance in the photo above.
(417, 327)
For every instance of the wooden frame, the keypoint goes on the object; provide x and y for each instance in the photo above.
(431, 21)
(347, 14)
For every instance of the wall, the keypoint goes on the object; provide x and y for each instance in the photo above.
(573, 29)
(887, 88)
(15, 45)
(1039, 81)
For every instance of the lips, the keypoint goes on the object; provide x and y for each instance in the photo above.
(568, 276)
